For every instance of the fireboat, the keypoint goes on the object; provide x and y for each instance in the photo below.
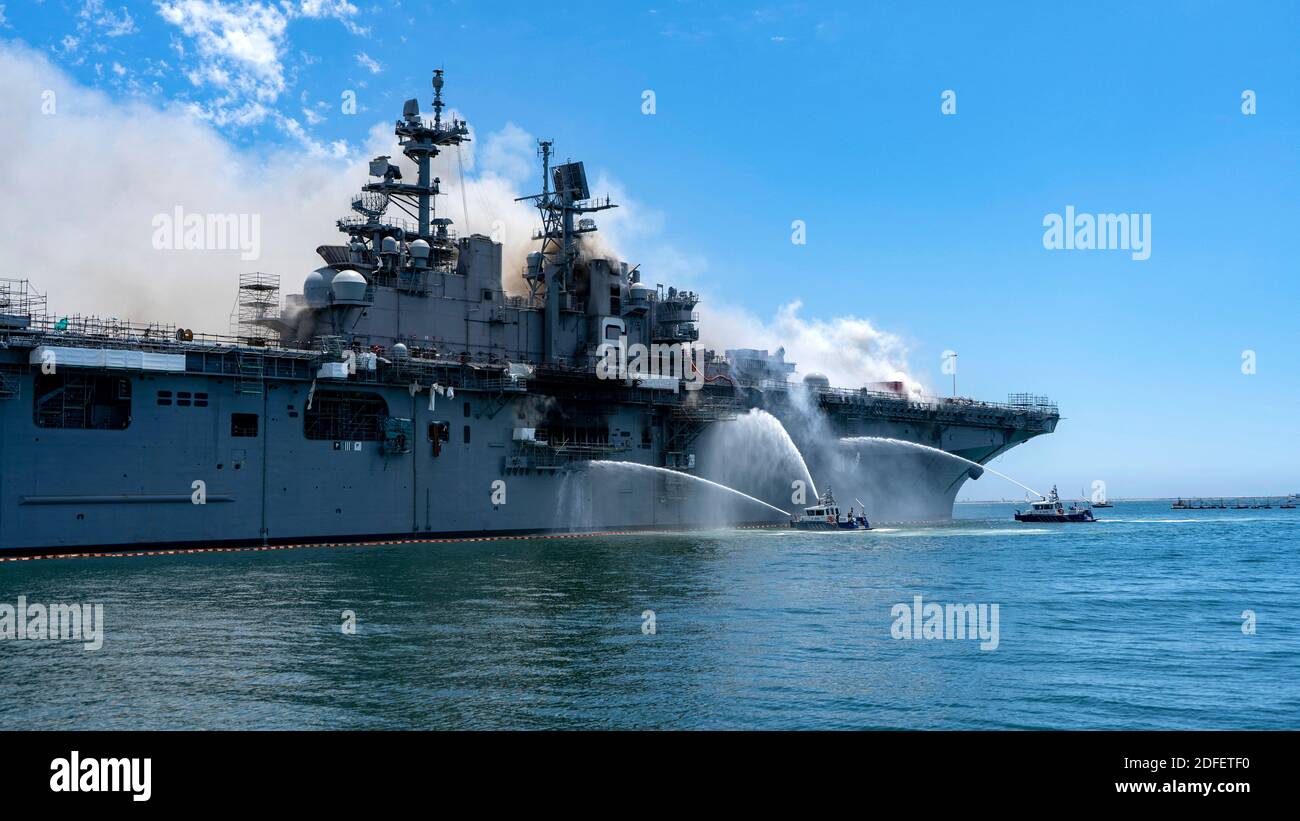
(1050, 508)
(825, 515)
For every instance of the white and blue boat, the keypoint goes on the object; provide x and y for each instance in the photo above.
(825, 515)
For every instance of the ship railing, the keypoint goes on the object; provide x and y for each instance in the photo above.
(99, 332)
(408, 227)
(81, 331)
(1036, 405)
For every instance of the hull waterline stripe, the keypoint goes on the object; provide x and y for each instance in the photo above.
(184, 551)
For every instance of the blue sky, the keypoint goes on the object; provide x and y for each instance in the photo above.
(928, 225)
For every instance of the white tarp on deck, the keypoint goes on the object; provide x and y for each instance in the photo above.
(107, 358)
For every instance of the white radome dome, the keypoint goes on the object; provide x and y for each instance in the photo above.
(315, 291)
(349, 287)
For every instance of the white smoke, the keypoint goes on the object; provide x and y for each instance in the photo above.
(84, 184)
(849, 350)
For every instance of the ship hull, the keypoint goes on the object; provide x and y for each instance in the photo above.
(178, 475)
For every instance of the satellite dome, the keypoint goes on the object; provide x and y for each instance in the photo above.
(315, 292)
(388, 246)
(400, 351)
(419, 249)
(349, 287)
(817, 380)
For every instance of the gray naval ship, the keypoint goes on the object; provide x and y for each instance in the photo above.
(405, 394)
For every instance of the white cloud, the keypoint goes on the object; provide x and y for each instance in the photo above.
(511, 153)
(368, 63)
(340, 10)
(294, 130)
(326, 8)
(239, 48)
(110, 23)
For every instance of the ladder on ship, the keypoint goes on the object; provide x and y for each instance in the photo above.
(249, 380)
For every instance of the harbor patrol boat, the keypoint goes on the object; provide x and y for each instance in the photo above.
(825, 515)
(1051, 509)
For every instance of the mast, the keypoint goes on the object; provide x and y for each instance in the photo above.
(559, 236)
(421, 141)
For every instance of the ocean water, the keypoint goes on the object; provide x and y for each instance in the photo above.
(1133, 622)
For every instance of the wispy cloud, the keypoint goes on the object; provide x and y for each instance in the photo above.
(369, 63)
(340, 10)
(110, 23)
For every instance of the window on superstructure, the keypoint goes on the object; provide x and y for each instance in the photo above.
(345, 415)
(243, 424)
(84, 401)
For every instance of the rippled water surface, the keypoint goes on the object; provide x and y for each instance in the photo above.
(1133, 622)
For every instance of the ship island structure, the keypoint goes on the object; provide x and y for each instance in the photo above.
(405, 394)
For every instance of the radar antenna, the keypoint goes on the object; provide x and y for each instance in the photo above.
(565, 195)
(421, 141)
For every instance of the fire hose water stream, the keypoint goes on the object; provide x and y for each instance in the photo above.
(870, 440)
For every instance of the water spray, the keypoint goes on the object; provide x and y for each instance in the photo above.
(867, 440)
(637, 466)
(773, 426)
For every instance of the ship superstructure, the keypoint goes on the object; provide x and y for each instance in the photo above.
(406, 393)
